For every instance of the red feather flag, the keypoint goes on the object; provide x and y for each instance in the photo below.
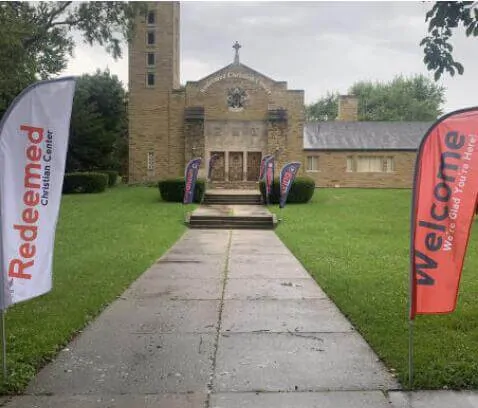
(444, 202)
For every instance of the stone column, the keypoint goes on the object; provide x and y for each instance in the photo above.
(226, 165)
(194, 137)
(277, 130)
(244, 166)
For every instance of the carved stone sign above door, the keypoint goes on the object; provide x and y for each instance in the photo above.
(239, 75)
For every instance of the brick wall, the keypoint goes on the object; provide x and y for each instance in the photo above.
(332, 170)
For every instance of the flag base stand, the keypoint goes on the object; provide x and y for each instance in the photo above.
(280, 218)
(186, 215)
(410, 355)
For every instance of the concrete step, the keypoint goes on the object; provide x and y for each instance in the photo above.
(232, 202)
(231, 226)
(226, 218)
(232, 222)
(233, 185)
(231, 199)
(227, 225)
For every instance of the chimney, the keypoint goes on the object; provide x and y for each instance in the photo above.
(348, 108)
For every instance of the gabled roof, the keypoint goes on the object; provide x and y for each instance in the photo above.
(231, 67)
(364, 135)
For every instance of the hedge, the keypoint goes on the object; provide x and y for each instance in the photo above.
(84, 182)
(112, 176)
(172, 190)
(301, 191)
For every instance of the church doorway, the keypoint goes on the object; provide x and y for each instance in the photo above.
(218, 172)
(236, 164)
(253, 165)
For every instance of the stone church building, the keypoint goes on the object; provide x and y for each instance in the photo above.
(241, 115)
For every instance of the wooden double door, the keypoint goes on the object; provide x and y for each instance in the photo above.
(235, 164)
(253, 165)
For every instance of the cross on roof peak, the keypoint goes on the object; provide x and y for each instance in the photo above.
(236, 46)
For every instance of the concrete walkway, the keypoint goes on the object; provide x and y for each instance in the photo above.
(226, 319)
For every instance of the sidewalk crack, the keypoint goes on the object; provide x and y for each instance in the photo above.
(210, 384)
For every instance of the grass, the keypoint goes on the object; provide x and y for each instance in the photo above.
(103, 243)
(355, 244)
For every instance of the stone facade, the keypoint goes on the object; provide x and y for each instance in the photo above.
(155, 109)
(268, 120)
(348, 108)
(236, 112)
(332, 169)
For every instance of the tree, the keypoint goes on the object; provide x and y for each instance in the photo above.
(98, 124)
(403, 99)
(36, 37)
(444, 18)
(324, 109)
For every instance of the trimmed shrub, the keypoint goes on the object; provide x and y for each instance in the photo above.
(301, 191)
(112, 176)
(172, 190)
(84, 182)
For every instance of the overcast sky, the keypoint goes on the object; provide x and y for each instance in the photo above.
(315, 46)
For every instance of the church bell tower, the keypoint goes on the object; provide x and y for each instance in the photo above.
(153, 75)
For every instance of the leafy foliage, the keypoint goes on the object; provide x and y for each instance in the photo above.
(301, 192)
(112, 177)
(36, 38)
(84, 183)
(444, 17)
(324, 109)
(172, 190)
(416, 98)
(98, 130)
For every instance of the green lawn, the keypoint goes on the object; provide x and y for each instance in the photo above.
(103, 243)
(355, 244)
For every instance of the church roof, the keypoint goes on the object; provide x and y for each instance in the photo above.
(364, 135)
(234, 66)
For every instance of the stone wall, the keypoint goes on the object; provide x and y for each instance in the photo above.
(155, 112)
(177, 139)
(332, 170)
(194, 143)
(348, 108)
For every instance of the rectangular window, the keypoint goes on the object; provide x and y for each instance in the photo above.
(150, 79)
(151, 59)
(369, 164)
(150, 161)
(151, 38)
(312, 163)
(151, 17)
(374, 164)
(350, 164)
(388, 165)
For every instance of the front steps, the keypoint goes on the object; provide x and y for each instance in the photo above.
(232, 217)
(223, 198)
(233, 185)
(204, 222)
